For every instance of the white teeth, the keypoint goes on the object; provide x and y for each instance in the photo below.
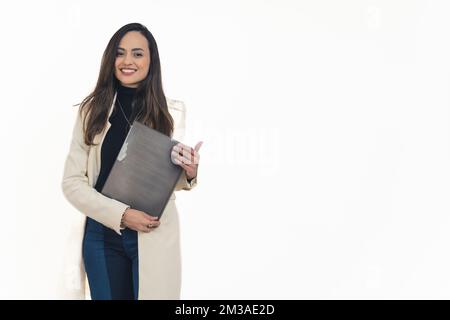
(128, 70)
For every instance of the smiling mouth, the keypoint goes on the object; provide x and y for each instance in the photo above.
(128, 71)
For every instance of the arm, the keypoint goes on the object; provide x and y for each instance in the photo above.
(183, 183)
(77, 190)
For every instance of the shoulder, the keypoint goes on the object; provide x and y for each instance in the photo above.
(175, 105)
(177, 110)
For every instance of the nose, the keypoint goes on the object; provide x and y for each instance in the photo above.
(127, 60)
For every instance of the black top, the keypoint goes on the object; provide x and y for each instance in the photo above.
(116, 134)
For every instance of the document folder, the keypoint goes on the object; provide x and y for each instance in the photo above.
(143, 175)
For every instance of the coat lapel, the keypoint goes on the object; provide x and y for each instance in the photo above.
(98, 139)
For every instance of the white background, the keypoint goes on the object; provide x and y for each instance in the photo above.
(325, 165)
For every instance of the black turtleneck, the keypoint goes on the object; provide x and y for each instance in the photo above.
(116, 134)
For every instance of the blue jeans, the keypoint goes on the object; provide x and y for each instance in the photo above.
(111, 262)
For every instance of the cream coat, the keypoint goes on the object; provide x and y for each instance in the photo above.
(158, 251)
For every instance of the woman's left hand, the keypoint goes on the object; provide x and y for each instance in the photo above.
(186, 157)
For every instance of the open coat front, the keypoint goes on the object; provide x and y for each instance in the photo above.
(158, 250)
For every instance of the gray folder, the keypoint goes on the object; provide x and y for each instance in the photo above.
(143, 175)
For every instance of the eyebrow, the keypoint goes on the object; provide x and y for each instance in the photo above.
(134, 49)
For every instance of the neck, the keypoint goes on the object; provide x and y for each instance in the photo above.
(122, 90)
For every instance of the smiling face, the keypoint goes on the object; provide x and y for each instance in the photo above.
(132, 59)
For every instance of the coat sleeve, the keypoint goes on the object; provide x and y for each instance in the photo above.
(182, 183)
(77, 190)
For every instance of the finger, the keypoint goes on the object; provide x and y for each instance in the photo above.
(147, 218)
(196, 156)
(174, 157)
(177, 159)
(186, 151)
(182, 148)
(195, 153)
(188, 160)
(183, 163)
(184, 156)
(176, 152)
(198, 145)
(148, 215)
(180, 145)
(151, 219)
(196, 159)
(185, 167)
(151, 226)
(146, 228)
(193, 156)
(153, 223)
(177, 148)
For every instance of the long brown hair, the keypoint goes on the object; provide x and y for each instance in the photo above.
(150, 101)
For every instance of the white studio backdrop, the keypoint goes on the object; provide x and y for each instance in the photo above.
(325, 166)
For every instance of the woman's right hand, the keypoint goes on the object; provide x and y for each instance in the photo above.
(139, 220)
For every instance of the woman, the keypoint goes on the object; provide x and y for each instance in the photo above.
(126, 253)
